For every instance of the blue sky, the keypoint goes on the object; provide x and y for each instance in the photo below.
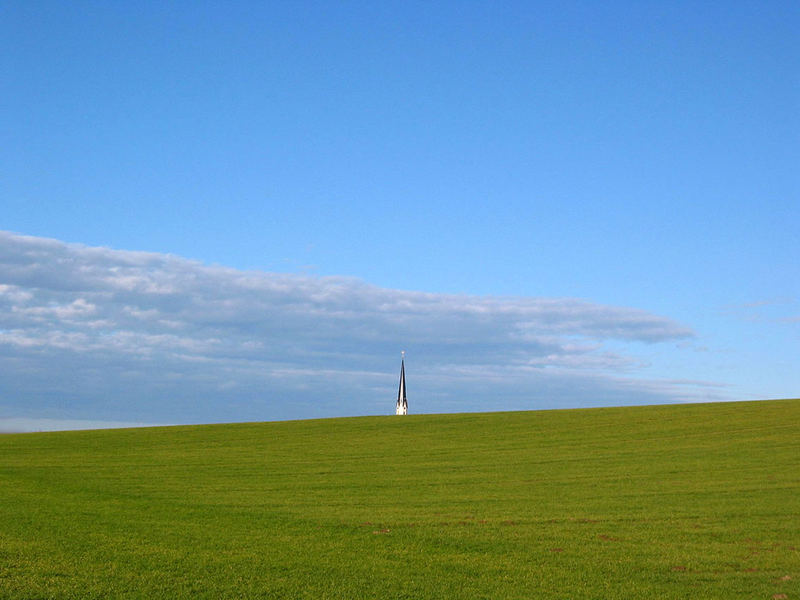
(545, 204)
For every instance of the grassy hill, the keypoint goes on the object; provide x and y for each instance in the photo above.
(688, 501)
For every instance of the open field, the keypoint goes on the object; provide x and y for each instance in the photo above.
(687, 501)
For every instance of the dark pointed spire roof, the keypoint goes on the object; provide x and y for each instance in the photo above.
(402, 402)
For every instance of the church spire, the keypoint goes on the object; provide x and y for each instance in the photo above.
(402, 402)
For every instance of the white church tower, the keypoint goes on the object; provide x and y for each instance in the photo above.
(402, 403)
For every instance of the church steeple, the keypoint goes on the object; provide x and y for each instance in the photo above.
(402, 402)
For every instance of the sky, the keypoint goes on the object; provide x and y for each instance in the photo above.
(223, 212)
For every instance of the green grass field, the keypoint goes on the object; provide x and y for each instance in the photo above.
(686, 501)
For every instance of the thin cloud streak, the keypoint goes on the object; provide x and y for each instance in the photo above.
(24, 425)
(89, 332)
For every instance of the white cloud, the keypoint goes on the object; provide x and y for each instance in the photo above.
(78, 324)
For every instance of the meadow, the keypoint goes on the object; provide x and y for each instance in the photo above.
(678, 501)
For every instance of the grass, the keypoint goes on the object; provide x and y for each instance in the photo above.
(687, 501)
